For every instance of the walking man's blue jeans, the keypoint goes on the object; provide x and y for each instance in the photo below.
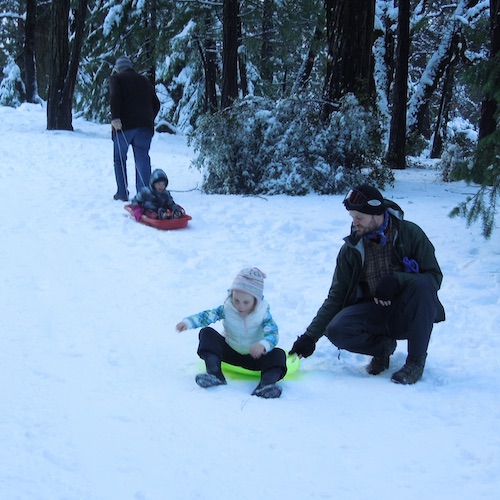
(140, 140)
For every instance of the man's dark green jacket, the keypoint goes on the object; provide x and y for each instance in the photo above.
(410, 241)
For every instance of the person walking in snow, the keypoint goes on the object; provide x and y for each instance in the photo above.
(154, 201)
(134, 106)
(384, 289)
(249, 338)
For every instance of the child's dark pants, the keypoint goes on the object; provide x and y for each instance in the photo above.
(272, 365)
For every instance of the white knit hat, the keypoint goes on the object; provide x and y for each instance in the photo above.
(250, 280)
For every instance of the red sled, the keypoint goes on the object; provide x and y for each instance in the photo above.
(164, 225)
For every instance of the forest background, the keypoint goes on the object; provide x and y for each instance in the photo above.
(280, 96)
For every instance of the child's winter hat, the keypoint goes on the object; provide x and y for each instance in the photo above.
(123, 62)
(157, 176)
(250, 280)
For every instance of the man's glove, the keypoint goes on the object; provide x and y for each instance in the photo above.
(304, 346)
(387, 287)
(116, 124)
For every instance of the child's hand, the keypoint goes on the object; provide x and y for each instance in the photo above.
(181, 327)
(257, 350)
(178, 212)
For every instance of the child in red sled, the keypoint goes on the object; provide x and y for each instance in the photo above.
(249, 338)
(154, 201)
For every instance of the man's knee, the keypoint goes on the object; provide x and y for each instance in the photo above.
(333, 333)
(422, 284)
(422, 293)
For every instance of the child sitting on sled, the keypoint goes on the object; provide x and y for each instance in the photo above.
(154, 201)
(249, 338)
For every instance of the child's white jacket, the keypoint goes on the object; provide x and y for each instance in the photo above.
(241, 332)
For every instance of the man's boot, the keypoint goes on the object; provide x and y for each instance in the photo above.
(380, 363)
(411, 371)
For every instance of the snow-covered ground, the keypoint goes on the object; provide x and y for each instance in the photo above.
(97, 392)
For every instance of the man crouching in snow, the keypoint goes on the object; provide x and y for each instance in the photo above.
(384, 289)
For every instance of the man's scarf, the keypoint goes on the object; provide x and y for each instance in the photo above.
(379, 235)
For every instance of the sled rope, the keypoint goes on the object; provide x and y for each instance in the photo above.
(185, 190)
(145, 183)
(124, 173)
(123, 164)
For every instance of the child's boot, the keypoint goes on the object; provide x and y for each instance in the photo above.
(214, 375)
(267, 387)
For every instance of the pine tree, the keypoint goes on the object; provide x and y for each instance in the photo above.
(486, 162)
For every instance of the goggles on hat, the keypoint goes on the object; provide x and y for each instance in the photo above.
(356, 199)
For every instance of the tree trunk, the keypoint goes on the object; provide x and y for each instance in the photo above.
(42, 48)
(58, 116)
(29, 53)
(209, 58)
(436, 67)
(433, 74)
(487, 121)
(64, 66)
(389, 59)
(308, 64)
(349, 28)
(444, 108)
(151, 37)
(266, 51)
(242, 61)
(230, 53)
(396, 154)
(495, 27)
